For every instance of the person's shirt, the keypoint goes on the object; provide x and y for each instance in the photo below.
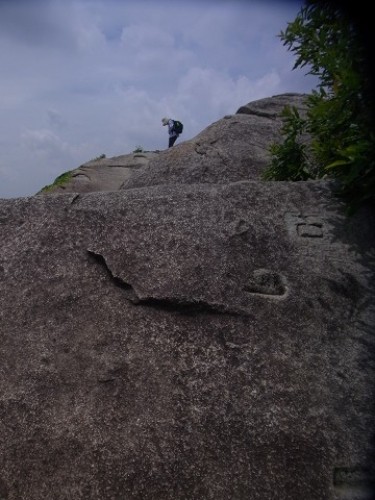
(172, 133)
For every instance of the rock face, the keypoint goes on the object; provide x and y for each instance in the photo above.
(103, 174)
(232, 149)
(187, 340)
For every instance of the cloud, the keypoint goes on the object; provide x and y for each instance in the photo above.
(44, 142)
(142, 37)
(55, 119)
(35, 24)
(85, 77)
(220, 93)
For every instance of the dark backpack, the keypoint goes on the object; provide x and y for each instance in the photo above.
(177, 127)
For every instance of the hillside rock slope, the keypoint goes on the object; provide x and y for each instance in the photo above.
(193, 333)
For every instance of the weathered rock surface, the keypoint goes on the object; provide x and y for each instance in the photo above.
(235, 148)
(205, 341)
(103, 174)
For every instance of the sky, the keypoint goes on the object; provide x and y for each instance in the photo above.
(83, 78)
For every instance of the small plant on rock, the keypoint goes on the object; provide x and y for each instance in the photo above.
(59, 181)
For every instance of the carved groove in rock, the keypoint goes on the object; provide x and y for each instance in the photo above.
(266, 282)
(80, 175)
(310, 230)
(305, 226)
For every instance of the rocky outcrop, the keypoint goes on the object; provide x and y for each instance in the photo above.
(180, 340)
(101, 174)
(235, 148)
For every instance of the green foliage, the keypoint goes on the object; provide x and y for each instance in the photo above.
(59, 181)
(289, 160)
(339, 117)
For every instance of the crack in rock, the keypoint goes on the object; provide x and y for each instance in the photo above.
(183, 306)
(244, 110)
(74, 199)
(188, 307)
(128, 289)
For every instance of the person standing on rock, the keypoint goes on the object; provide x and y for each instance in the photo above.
(173, 133)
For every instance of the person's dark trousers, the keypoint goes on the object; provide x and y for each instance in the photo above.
(172, 140)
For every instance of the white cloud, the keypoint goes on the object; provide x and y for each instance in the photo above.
(44, 142)
(85, 77)
(220, 93)
(141, 37)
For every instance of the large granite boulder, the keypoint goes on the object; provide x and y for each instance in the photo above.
(187, 341)
(235, 148)
(232, 149)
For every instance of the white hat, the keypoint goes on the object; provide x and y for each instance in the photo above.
(165, 121)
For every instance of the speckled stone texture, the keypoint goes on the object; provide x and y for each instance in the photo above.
(206, 341)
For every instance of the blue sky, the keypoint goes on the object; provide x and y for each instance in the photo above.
(81, 78)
